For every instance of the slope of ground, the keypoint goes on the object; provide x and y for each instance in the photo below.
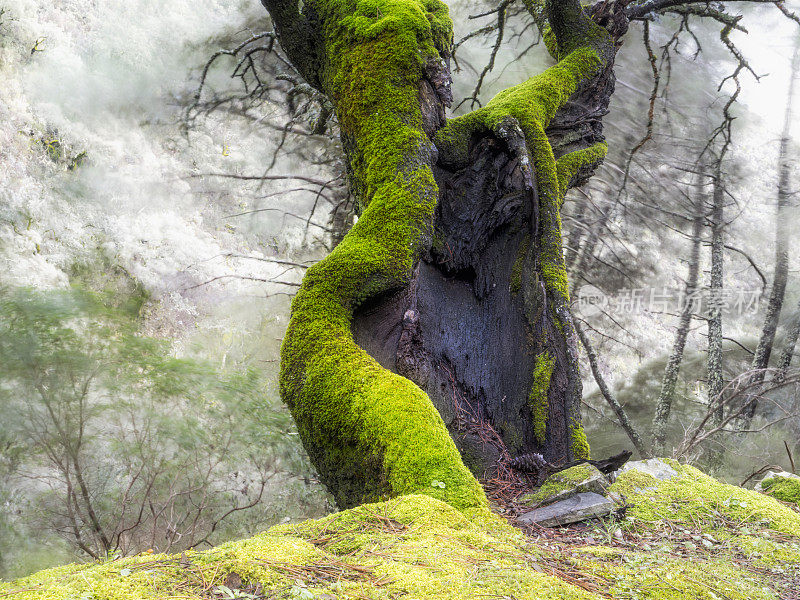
(688, 537)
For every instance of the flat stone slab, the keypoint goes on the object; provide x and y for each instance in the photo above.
(655, 467)
(582, 506)
(565, 484)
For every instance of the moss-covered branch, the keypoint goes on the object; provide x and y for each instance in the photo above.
(586, 51)
(371, 433)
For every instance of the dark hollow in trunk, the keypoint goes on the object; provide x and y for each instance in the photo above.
(469, 326)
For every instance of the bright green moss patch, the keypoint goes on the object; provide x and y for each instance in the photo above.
(783, 488)
(569, 165)
(646, 576)
(537, 398)
(580, 445)
(694, 498)
(558, 484)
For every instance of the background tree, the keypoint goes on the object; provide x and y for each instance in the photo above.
(126, 447)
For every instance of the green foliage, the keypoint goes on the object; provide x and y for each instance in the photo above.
(120, 446)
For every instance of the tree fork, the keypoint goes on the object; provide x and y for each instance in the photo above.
(446, 304)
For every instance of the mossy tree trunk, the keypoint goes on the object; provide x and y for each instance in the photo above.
(438, 334)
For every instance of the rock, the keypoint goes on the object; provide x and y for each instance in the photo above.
(774, 475)
(567, 483)
(586, 505)
(617, 498)
(782, 486)
(655, 467)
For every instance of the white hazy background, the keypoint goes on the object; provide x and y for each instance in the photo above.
(108, 79)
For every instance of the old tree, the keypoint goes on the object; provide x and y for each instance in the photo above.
(436, 341)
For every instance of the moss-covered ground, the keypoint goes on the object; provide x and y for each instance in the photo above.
(784, 488)
(688, 538)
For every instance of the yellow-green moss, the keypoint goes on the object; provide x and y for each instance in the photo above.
(783, 488)
(537, 397)
(768, 552)
(645, 576)
(580, 445)
(414, 546)
(560, 482)
(370, 433)
(419, 547)
(373, 434)
(695, 498)
(570, 164)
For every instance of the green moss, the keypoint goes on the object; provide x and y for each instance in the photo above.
(373, 434)
(648, 576)
(516, 269)
(571, 164)
(768, 552)
(537, 397)
(550, 43)
(783, 488)
(419, 547)
(414, 546)
(580, 445)
(695, 498)
(559, 483)
(370, 433)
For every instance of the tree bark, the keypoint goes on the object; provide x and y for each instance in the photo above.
(714, 359)
(791, 342)
(781, 272)
(665, 398)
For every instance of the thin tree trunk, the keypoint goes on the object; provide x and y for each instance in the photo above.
(576, 233)
(586, 253)
(615, 405)
(782, 225)
(714, 360)
(791, 343)
(668, 383)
